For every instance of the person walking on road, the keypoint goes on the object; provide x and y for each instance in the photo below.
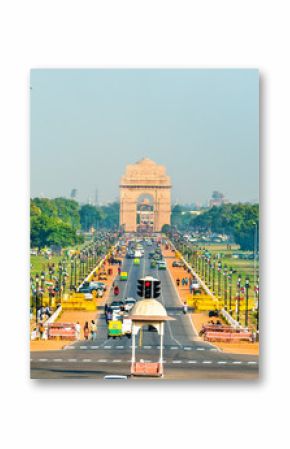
(86, 330)
(78, 330)
(185, 308)
(93, 330)
(177, 282)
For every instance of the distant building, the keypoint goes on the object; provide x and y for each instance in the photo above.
(217, 199)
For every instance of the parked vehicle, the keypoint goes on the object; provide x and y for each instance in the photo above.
(177, 263)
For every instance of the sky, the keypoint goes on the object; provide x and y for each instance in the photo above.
(88, 124)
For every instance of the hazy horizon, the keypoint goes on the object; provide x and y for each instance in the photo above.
(87, 125)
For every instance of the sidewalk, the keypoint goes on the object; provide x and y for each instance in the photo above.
(72, 316)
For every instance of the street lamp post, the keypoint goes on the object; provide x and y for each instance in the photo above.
(238, 298)
(230, 289)
(225, 288)
(247, 285)
(213, 277)
(209, 272)
(36, 296)
(219, 278)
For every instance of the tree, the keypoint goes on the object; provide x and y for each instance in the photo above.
(90, 216)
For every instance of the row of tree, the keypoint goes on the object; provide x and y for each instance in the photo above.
(240, 221)
(59, 221)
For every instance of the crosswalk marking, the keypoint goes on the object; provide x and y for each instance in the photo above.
(83, 347)
(192, 361)
(57, 360)
(207, 361)
(95, 347)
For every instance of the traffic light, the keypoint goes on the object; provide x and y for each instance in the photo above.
(148, 289)
(140, 287)
(156, 288)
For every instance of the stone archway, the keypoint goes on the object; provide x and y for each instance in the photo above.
(145, 178)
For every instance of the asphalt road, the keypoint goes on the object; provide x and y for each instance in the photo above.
(185, 356)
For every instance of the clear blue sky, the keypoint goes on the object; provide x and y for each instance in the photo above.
(87, 125)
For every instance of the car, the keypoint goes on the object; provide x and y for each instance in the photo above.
(177, 263)
(129, 303)
(195, 285)
(153, 264)
(151, 254)
(161, 264)
(98, 285)
(116, 306)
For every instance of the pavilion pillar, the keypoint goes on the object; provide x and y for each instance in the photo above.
(133, 345)
(161, 342)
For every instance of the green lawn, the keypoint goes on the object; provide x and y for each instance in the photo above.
(40, 263)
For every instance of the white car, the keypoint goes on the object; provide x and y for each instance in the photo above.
(195, 284)
(129, 303)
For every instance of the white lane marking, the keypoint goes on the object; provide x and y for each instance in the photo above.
(102, 360)
(120, 347)
(83, 347)
(57, 360)
(117, 361)
(147, 347)
(42, 360)
(187, 348)
(214, 349)
(222, 362)
(107, 347)
(176, 361)
(252, 363)
(200, 349)
(87, 360)
(72, 360)
(94, 347)
(237, 362)
(70, 347)
(192, 361)
(207, 361)
(173, 347)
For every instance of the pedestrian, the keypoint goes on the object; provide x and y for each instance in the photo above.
(183, 282)
(119, 271)
(86, 330)
(93, 330)
(41, 331)
(78, 330)
(177, 282)
(185, 308)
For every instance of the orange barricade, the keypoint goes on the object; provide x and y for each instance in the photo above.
(228, 336)
(66, 331)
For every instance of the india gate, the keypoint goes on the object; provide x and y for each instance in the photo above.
(145, 201)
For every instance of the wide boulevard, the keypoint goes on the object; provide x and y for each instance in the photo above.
(185, 355)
